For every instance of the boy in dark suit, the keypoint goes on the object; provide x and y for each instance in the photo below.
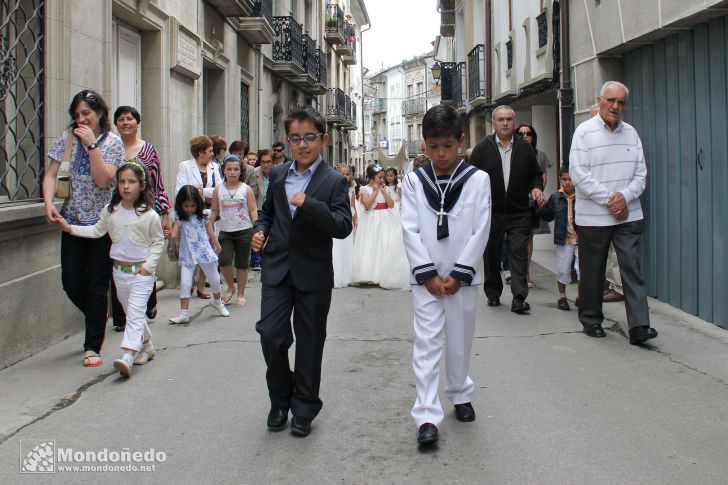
(307, 205)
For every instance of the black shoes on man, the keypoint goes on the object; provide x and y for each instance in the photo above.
(427, 434)
(595, 331)
(637, 335)
(495, 301)
(277, 419)
(464, 412)
(519, 305)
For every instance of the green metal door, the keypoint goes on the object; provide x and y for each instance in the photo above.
(679, 105)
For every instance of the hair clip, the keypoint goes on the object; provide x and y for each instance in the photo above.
(139, 166)
(377, 168)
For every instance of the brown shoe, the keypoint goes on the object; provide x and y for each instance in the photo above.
(611, 296)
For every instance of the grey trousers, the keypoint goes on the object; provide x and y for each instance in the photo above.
(593, 250)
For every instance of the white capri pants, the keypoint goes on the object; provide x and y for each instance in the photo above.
(564, 255)
(210, 270)
(133, 291)
(440, 318)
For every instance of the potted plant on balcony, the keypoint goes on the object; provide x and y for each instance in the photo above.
(332, 23)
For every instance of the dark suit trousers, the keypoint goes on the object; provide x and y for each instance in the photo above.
(593, 251)
(297, 389)
(518, 227)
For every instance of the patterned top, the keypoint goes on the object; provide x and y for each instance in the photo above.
(87, 199)
(194, 246)
(149, 158)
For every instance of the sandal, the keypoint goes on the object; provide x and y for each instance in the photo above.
(241, 301)
(203, 294)
(228, 296)
(87, 362)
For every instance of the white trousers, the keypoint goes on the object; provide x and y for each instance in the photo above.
(437, 319)
(565, 254)
(210, 270)
(133, 291)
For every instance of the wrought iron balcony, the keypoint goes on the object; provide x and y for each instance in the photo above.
(258, 27)
(413, 148)
(336, 106)
(348, 123)
(347, 50)
(310, 63)
(459, 84)
(414, 106)
(447, 73)
(335, 25)
(321, 73)
(288, 54)
(353, 113)
(379, 105)
(476, 76)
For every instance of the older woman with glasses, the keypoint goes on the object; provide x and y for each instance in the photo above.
(85, 263)
(127, 120)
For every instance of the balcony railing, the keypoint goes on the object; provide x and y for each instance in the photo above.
(288, 43)
(322, 71)
(264, 9)
(458, 85)
(310, 63)
(335, 25)
(413, 106)
(347, 108)
(335, 105)
(476, 74)
(379, 105)
(258, 27)
(347, 49)
(353, 113)
(447, 73)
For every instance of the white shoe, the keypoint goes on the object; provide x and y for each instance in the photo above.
(144, 356)
(220, 307)
(181, 318)
(124, 365)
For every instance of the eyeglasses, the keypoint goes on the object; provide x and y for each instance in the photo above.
(527, 133)
(308, 138)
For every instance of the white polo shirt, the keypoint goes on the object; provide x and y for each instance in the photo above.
(602, 162)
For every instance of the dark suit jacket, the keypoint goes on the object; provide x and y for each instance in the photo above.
(525, 174)
(302, 245)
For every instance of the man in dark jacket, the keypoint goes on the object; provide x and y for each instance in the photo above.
(515, 180)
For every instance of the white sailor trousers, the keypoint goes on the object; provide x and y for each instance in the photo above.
(133, 291)
(439, 319)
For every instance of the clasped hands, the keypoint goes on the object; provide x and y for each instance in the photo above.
(438, 286)
(538, 198)
(617, 205)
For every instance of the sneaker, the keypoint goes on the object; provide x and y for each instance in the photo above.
(124, 364)
(220, 307)
(181, 318)
(563, 304)
(144, 356)
(255, 268)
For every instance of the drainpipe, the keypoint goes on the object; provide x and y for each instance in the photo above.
(361, 108)
(489, 50)
(566, 92)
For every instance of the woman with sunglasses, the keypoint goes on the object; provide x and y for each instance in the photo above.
(539, 225)
(85, 263)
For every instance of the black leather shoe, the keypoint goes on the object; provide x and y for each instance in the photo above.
(637, 335)
(595, 331)
(464, 412)
(495, 301)
(277, 419)
(563, 304)
(427, 434)
(300, 426)
(519, 306)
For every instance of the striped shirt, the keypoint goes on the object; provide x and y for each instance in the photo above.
(601, 163)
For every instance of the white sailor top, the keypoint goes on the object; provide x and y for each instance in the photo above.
(457, 248)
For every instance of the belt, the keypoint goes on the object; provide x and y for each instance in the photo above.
(128, 269)
(381, 206)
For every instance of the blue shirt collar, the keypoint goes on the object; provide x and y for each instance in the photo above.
(311, 169)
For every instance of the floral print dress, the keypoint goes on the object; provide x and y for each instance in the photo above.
(195, 247)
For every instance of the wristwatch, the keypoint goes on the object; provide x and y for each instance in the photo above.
(92, 146)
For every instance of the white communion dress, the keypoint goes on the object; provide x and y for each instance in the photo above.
(343, 256)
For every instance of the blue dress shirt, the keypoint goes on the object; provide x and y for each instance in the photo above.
(297, 182)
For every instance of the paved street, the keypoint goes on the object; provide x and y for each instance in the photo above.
(553, 406)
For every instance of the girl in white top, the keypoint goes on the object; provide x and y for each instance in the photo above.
(137, 244)
(379, 253)
(392, 180)
(234, 202)
(343, 249)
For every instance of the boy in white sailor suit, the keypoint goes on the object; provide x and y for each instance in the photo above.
(446, 222)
